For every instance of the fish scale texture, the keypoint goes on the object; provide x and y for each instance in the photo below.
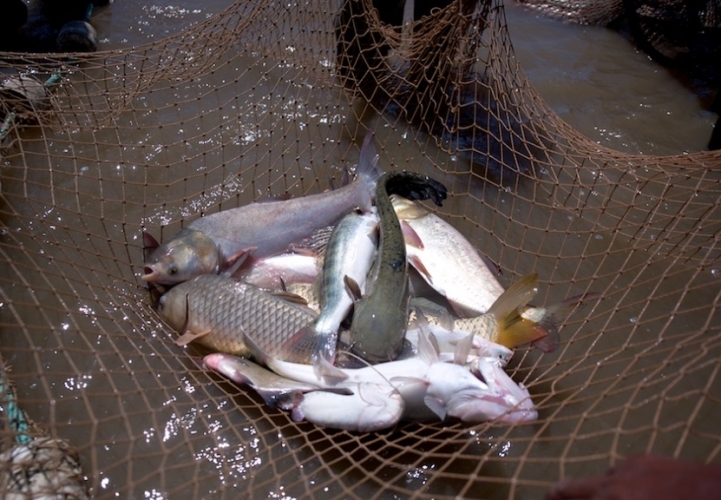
(262, 99)
(228, 310)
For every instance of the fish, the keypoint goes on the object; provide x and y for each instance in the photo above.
(214, 310)
(216, 243)
(450, 338)
(425, 386)
(274, 389)
(281, 270)
(348, 257)
(380, 316)
(446, 259)
(368, 407)
(454, 393)
(455, 269)
(503, 324)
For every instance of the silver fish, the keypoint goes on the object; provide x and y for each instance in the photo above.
(281, 270)
(446, 259)
(367, 407)
(215, 310)
(453, 267)
(348, 258)
(217, 242)
(430, 387)
(380, 317)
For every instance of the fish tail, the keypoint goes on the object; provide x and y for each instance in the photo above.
(554, 315)
(512, 330)
(368, 170)
(519, 324)
(309, 343)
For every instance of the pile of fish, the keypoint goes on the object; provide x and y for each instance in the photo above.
(359, 306)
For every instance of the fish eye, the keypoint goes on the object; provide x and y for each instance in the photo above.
(172, 270)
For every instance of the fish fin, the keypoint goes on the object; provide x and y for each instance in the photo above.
(410, 236)
(408, 380)
(352, 288)
(418, 266)
(308, 342)
(256, 351)
(550, 339)
(512, 329)
(236, 260)
(293, 298)
(463, 349)
(420, 320)
(447, 322)
(547, 327)
(560, 311)
(326, 372)
(309, 252)
(188, 337)
(368, 170)
(427, 347)
(518, 295)
(149, 245)
(436, 406)
(344, 177)
(515, 332)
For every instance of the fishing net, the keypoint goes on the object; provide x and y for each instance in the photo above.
(583, 12)
(268, 98)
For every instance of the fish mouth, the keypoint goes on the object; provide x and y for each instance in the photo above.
(150, 275)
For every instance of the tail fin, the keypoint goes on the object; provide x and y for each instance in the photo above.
(554, 315)
(308, 343)
(514, 330)
(368, 169)
(519, 324)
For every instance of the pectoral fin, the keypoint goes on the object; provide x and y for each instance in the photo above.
(325, 371)
(236, 261)
(352, 288)
(436, 406)
(418, 266)
(410, 236)
(189, 337)
(463, 349)
(428, 349)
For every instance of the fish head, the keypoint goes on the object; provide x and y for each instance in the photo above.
(173, 308)
(407, 209)
(456, 392)
(188, 254)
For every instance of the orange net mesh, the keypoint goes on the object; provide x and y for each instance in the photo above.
(255, 100)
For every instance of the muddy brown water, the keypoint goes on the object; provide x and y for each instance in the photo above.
(94, 364)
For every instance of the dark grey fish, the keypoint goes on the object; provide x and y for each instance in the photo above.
(380, 317)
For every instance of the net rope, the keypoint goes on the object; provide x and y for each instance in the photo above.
(254, 101)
